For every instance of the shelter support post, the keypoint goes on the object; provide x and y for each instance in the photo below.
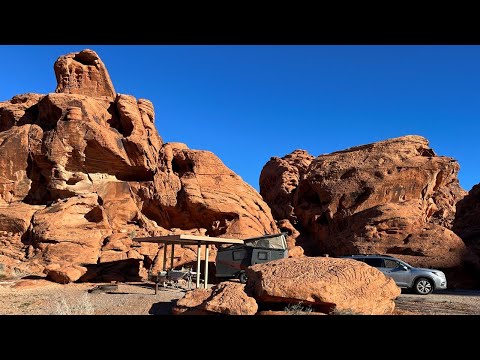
(199, 254)
(205, 284)
(173, 254)
(164, 257)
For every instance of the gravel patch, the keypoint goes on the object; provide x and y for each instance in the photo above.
(458, 302)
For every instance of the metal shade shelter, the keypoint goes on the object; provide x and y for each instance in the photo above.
(189, 240)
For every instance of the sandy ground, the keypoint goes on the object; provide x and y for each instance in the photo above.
(42, 297)
(458, 302)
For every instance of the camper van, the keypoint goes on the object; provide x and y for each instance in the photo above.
(232, 260)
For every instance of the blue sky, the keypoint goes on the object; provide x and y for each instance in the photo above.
(248, 103)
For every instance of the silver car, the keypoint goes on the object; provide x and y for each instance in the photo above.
(422, 281)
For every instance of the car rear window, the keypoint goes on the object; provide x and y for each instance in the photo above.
(375, 262)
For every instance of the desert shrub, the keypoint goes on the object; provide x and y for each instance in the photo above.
(298, 309)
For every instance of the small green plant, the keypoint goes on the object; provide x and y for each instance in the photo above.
(132, 234)
(298, 309)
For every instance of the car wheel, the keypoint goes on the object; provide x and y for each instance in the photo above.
(423, 286)
(243, 277)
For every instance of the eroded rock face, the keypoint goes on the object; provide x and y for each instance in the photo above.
(15, 240)
(467, 220)
(395, 197)
(71, 230)
(279, 179)
(89, 172)
(195, 188)
(83, 73)
(20, 110)
(227, 298)
(342, 285)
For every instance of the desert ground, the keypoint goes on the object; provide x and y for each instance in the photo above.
(448, 302)
(41, 297)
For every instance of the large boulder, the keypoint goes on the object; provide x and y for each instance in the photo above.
(193, 303)
(64, 274)
(83, 171)
(340, 285)
(227, 298)
(394, 196)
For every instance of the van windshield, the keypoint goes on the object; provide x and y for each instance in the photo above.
(268, 242)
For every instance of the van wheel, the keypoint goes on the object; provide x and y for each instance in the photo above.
(243, 277)
(423, 286)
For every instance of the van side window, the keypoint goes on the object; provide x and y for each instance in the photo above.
(239, 254)
(262, 255)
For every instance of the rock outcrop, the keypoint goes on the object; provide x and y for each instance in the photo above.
(280, 178)
(395, 197)
(339, 285)
(226, 298)
(467, 218)
(83, 171)
(467, 226)
(83, 73)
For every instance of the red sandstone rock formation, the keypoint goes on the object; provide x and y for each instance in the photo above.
(279, 179)
(342, 285)
(83, 171)
(394, 196)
